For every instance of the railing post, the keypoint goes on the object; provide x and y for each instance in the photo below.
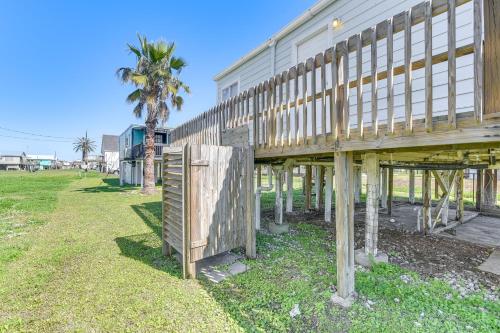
(491, 54)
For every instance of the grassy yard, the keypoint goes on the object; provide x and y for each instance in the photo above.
(88, 258)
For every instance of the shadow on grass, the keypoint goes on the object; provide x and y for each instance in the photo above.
(110, 185)
(150, 214)
(147, 247)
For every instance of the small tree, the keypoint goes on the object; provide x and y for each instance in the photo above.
(85, 145)
(156, 77)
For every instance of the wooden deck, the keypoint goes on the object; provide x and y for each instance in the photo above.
(307, 110)
(306, 116)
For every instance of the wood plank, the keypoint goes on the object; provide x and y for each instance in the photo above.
(428, 66)
(287, 136)
(359, 87)
(452, 76)
(323, 94)
(374, 88)
(304, 104)
(313, 103)
(408, 73)
(345, 101)
(491, 54)
(390, 76)
(335, 126)
(478, 58)
(344, 217)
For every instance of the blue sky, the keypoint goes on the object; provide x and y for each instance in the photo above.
(58, 60)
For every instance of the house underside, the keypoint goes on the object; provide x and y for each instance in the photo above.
(316, 116)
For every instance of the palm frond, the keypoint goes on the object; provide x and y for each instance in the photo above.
(134, 96)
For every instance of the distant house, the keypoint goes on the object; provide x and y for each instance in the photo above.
(110, 153)
(94, 162)
(42, 162)
(131, 153)
(13, 161)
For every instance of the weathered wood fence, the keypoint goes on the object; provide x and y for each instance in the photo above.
(310, 104)
(207, 202)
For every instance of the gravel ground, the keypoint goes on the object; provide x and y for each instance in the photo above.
(450, 260)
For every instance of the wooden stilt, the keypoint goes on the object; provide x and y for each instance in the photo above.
(383, 195)
(289, 189)
(411, 187)
(390, 191)
(495, 186)
(269, 176)
(372, 199)
(357, 184)
(426, 210)
(328, 194)
(479, 189)
(344, 218)
(278, 206)
(444, 212)
(460, 196)
(308, 187)
(317, 186)
(320, 193)
(488, 199)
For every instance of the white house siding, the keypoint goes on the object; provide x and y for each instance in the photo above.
(112, 160)
(255, 70)
(356, 16)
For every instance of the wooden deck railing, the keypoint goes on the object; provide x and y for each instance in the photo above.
(309, 104)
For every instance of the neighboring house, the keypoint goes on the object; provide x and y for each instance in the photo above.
(329, 22)
(110, 154)
(94, 162)
(42, 162)
(13, 161)
(131, 153)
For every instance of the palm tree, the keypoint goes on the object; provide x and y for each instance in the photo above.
(156, 78)
(85, 145)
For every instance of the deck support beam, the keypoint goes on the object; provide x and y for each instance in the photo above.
(344, 219)
(289, 188)
(488, 199)
(427, 202)
(460, 196)
(383, 190)
(372, 198)
(278, 206)
(411, 187)
(357, 184)
(328, 194)
(390, 191)
(479, 189)
(318, 186)
(308, 188)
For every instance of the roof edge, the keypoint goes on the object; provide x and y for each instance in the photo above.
(308, 14)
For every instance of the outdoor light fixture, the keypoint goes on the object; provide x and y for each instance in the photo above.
(336, 23)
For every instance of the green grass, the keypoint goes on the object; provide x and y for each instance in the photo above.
(96, 265)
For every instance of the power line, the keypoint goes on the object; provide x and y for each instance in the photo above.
(35, 134)
(39, 135)
(34, 139)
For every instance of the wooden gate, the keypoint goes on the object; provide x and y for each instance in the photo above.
(207, 202)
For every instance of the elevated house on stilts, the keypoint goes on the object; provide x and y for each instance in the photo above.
(391, 85)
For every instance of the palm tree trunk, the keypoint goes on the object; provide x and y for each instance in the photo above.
(149, 156)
